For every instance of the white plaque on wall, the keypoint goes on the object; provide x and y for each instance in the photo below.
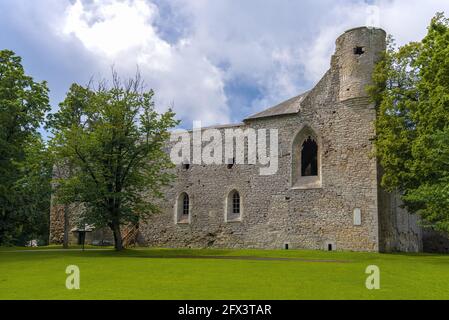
(357, 217)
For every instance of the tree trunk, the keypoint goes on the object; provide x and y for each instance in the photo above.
(118, 241)
(65, 243)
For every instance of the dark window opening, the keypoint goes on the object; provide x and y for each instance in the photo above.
(309, 158)
(185, 205)
(81, 237)
(231, 163)
(186, 166)
(236, 203)
(359, 51)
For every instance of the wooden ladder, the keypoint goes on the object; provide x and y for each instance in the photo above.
(130, 235)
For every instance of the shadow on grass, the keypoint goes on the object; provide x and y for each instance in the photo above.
(221, 254)
(217, 254)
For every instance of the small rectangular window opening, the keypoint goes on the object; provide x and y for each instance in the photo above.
(231, 163)
(359, 51)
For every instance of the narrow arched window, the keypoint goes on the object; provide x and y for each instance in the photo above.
(183, 208)
(233, 207)
(236, 203)
(306, 160)
(185, 204)
(309, 158)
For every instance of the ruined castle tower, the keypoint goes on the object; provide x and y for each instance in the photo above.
(357, 52)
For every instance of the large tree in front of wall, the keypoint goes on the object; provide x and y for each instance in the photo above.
(412, 93)
(113, 139)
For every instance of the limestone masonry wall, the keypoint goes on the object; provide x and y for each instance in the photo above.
(277, 211)
(274, 213)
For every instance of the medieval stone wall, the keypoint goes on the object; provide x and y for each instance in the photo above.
(274, 213)
(399, 230)
(279, 211)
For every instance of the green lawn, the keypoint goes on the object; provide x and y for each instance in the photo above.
(220, 274)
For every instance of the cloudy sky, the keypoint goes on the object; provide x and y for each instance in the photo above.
(217, 61)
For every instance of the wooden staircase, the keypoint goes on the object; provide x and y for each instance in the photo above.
(130, 234)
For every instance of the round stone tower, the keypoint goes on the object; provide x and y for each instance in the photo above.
(356, 54)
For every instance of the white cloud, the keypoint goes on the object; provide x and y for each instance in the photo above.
(112, 27)
(280, 48)
(407, 20)
(122, 33)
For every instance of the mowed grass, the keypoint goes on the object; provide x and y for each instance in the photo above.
(220, 274)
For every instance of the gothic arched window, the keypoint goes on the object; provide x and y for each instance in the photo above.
(306, 160)
(309, 158)
(183, 208)
(236, 203)
(185, 204)
(234, 207)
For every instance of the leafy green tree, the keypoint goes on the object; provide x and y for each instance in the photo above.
(33, 193)
(412, 93)
(23, 104)
(113, 141)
